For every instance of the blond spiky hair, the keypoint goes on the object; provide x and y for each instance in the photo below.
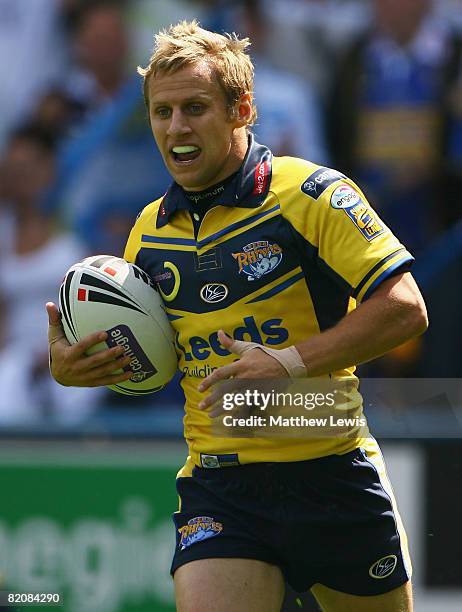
(186, 43)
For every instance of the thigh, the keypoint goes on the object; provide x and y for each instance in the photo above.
(397, 600)
(227, 585)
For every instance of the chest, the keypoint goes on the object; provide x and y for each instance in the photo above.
(209, 268)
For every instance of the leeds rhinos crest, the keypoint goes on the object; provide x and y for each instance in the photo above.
(258, 258)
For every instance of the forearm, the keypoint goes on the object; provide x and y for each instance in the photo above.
(393, 314)
(386, 320)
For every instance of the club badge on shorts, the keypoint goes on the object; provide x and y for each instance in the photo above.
(198, 528)
(384, 567)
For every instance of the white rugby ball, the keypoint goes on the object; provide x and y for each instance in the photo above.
(107, 293)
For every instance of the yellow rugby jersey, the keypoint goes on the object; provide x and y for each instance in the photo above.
(285, 252)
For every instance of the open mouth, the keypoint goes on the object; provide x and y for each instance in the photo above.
(185, 154)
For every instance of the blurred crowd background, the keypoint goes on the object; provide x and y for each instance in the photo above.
(370, 87)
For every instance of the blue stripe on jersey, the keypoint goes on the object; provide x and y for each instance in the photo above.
(278, 288)
(179, 241)
(237, 225)
(172, 317)
(386, 273)
(374, 270)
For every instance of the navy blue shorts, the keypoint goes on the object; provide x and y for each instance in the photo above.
(327, 520)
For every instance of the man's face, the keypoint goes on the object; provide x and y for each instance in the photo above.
(102, 40)
(400, 18)
(193, 128)
(25, 171)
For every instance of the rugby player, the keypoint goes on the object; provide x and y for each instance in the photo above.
(305, 280)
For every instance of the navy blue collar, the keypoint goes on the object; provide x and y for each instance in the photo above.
(248, 188)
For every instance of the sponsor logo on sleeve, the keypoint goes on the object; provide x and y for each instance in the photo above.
(319, 181)
(258, 258)
(198, 528)
(346, 198)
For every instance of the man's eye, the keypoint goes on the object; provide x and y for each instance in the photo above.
(196, 108)
(163, 112)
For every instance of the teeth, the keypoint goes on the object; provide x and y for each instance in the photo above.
(185, 149)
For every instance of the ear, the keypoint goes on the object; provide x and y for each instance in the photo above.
(242, 112)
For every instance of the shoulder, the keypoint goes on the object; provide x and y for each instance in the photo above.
(145, 220)
(149, 213)
(310, 196)
(299, 180)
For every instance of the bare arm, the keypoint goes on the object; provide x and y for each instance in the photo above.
(393, 314)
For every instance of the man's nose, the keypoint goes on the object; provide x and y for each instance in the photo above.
(178, 124)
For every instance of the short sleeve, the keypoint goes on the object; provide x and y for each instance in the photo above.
(133, 245)
(354, 242)
(145, 219)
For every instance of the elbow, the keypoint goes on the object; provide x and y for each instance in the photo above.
(421, 324)
(417, 319)
(406, 306)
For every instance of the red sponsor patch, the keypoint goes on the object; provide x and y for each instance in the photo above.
(261, 176)
(110, 271)
(82, 295)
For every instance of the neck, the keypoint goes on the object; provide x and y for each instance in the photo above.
(239, 147)
(237, 153)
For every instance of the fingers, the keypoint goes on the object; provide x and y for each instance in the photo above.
(92, 369)
(216, 411)
(54, 318)
(111, 356)
(252, 365)
(225, 340)
(56, 332)
(55, 329)
(108, 379)
(81, 347)
(91, 372)
(70, 365)
(214, 400)
(210, 400)
(230, 387)
(238, 347)
(219, 374)
(108, 373)
(224, 373)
